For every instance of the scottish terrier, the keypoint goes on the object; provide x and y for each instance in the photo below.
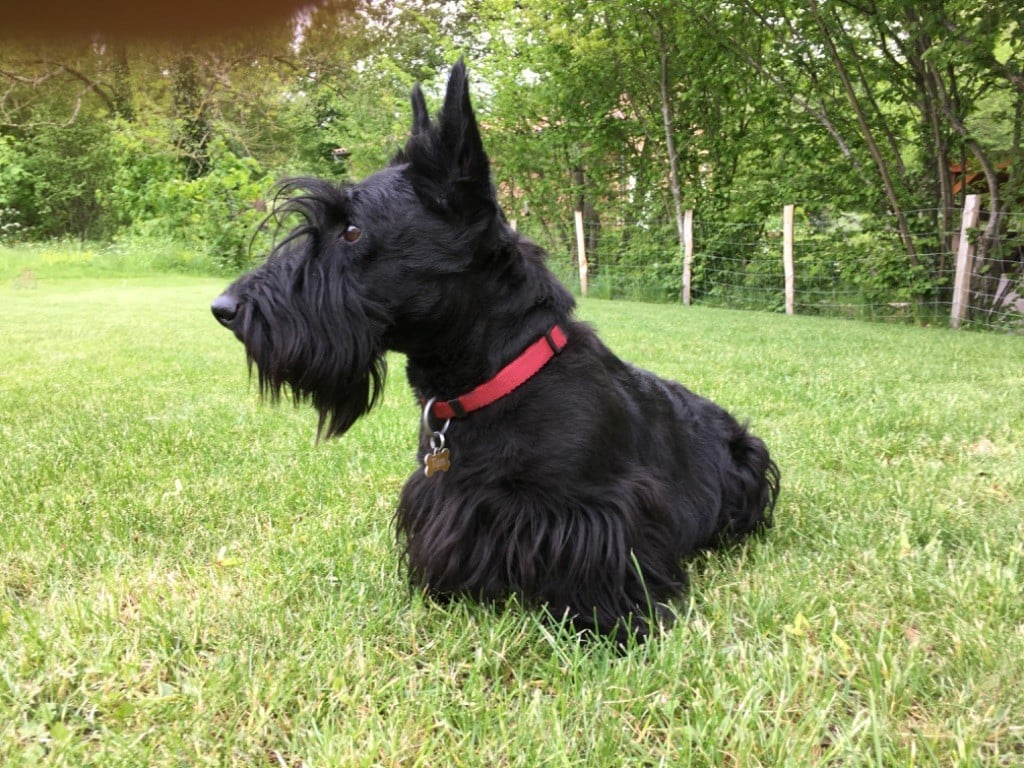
(551, 470)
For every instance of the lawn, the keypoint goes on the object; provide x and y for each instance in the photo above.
(186, 578)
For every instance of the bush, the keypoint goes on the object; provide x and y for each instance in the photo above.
(642, 262)
(216, 214)
(60, 178)
(12, 177)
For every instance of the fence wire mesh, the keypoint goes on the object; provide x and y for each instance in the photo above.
(852, 265)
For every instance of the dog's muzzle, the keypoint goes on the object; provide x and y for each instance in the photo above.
(225, 309)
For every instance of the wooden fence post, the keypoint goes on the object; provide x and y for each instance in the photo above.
(964, 261)
(581, 250)
(687, 256)
(787, 258)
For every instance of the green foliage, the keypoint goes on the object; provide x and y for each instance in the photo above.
(642, 262)
(12, 169)
(12, 177)
(59, 189)
(192, 127)
(224, 208)
(217, 214)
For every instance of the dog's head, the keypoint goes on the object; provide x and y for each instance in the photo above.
(385, 263)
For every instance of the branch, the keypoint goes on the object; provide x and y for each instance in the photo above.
(740, 49)
(52, 71)
(866, 132)
(91, 85)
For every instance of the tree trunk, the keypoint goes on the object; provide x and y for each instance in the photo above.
(122, 85)
(995, 205)
(928, 82)
(670, 143)
(191, 111)
(869, 138)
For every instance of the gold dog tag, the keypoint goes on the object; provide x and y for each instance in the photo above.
(436, 461)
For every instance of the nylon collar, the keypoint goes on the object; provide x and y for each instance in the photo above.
(507, 380)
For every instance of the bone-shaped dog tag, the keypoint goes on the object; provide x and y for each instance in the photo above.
(438, 460)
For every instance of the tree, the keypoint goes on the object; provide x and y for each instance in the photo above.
(887, 78)
(192, 116)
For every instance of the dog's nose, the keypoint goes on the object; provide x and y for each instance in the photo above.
(225, 308)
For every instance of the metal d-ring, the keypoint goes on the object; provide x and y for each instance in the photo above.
(434, 433)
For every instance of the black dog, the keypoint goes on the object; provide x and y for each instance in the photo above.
(553, 470)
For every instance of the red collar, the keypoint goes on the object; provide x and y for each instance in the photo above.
(508, 379)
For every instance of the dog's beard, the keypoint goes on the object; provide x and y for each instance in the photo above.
(341, 373)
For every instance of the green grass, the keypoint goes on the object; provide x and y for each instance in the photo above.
(24, 265)
(187, 579)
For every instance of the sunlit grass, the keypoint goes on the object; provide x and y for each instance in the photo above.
(187, 579)
(24, 267)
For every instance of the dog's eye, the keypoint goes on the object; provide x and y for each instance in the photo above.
(351, 233)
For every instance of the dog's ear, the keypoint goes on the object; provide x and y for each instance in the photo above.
(451, 171)
(420, 116)
(468, 166)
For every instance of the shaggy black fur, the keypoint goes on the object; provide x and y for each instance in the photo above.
(585, 489)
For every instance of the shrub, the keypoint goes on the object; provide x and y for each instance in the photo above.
(215, 214)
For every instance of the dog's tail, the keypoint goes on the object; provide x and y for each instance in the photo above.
(752, 489)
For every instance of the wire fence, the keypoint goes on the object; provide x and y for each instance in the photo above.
(853, 265)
